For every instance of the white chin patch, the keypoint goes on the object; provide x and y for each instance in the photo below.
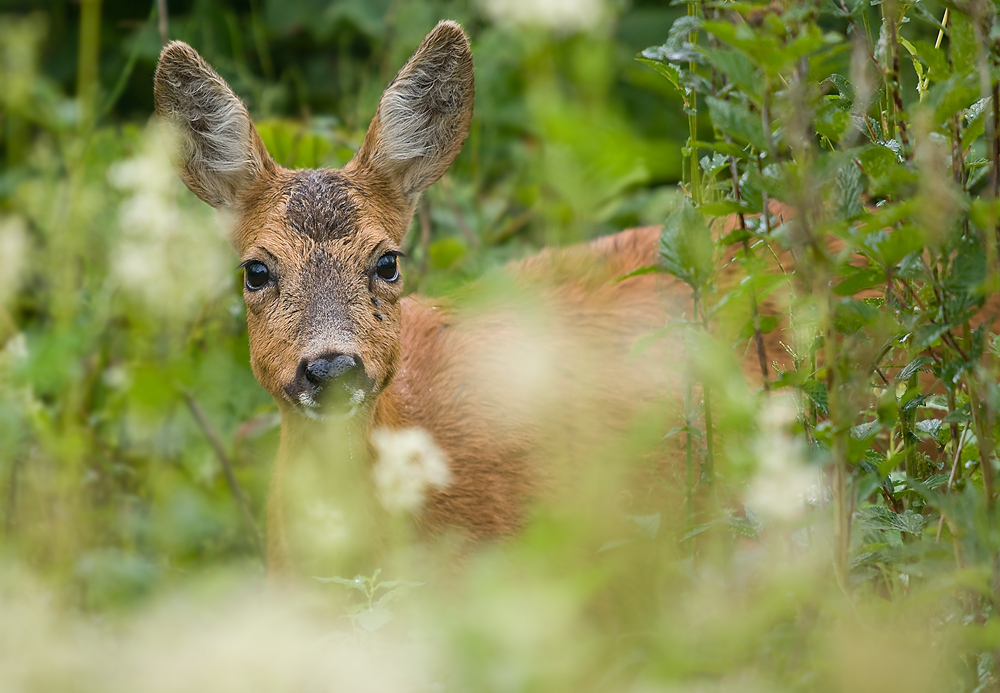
(311, 408)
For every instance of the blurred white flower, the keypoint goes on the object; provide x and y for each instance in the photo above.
(408, 461)
(561, 16)
(171, 257)
(13, 249)
(785, 485)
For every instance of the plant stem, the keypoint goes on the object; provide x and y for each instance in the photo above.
(227, 469)
(87, 61)
(163, 21)
(693, 121)
(893, 78)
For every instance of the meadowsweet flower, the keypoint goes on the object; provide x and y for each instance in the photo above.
(785, 485)
(13, 250)
(561, 16)
(408, 461)
(170, 257)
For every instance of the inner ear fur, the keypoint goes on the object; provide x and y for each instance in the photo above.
(218, 152)
(423, 116)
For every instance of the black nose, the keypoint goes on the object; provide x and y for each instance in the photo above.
(330, 380)
(329, 367)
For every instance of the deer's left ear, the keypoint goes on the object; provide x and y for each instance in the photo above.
(423, 115)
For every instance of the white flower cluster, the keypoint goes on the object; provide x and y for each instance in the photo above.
(560, 16)
(785, 484)
(170, 257)
(14, 251)
(407, 463)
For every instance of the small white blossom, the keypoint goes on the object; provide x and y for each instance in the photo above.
(169, 255)
(560, 16)
(408, 461)
(785, 485)
(13, 250)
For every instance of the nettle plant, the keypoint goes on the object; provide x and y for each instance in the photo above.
(844, 208)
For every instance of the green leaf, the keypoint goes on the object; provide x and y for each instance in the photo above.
(947, 98)
(881, 518)
(859, 280)
(935, 59)
(866, 431)
(735, 66)
(736, 120)
(678, 48)
(817, 394)
(932, 427)
(852, 315)
(672, 73)
(962, 37)
(968, 269)
(849, 191)
(831, 121)
(918, 364)
(845, 90)
(686, 248)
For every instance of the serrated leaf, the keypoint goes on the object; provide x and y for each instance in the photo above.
(673, 74)
(817, 394)
(844, 88)
(915, 402)
(918, 364)
(737, 68)
(850, 187)
(677, 48)
(736, 120)
(881, 518)
(931, 427)
(866, 430)
(686, 248)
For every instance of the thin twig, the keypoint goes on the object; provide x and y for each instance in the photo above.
(953, 475)
(463, 226)
(227, 468)
(161, 12)
(10, 514)
(424, 219)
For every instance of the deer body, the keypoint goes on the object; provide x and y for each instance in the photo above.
(332, 336)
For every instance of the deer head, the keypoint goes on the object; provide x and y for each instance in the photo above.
(320, 248)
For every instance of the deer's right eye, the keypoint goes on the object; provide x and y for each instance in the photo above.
(257, 276)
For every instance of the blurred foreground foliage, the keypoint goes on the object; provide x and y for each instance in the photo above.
(838, 198)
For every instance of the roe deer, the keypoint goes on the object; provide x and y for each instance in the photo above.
(332, 337)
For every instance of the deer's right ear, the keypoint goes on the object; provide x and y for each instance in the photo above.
(218, 151)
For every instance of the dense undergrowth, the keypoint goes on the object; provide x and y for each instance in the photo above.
(836, 227)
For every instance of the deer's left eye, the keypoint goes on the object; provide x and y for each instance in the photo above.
(257, 276)
(387, 268)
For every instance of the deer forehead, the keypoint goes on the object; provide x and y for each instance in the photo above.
(335, 212)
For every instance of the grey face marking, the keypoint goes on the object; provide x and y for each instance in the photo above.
(325, 310)
(319, 205)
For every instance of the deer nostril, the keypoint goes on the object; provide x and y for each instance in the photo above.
(328, 367)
